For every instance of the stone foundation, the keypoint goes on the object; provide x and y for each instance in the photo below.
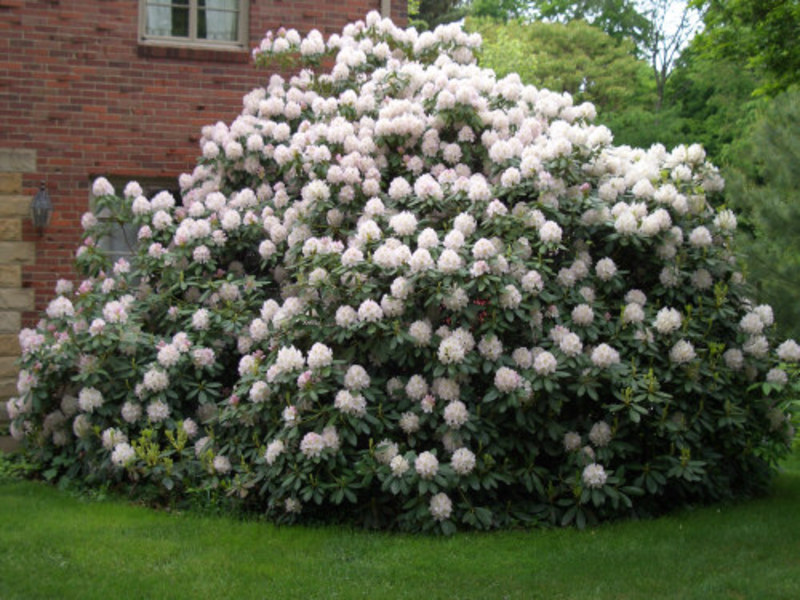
(14, 252)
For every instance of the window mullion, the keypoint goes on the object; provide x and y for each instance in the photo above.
(193, 20)
(243, 22)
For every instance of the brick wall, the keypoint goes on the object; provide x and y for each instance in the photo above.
(78, 90)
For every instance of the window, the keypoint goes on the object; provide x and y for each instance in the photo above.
(215, 24)
(121, 240)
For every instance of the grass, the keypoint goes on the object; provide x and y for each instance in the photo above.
(53, 545)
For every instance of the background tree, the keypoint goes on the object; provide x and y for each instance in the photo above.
(621, 19)
(710, 101)
(760, 33)
(430, 13)
(500, 10)
(660, 29)
(736, 92)
(672, 26)
(763, 179)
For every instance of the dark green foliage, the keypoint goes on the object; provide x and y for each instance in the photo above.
(711, 101)
(431, 13)
(763, 181)
(761, 33)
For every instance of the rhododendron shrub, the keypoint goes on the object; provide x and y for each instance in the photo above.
(406, 293)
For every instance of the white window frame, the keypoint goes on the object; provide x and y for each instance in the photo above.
(192, 41)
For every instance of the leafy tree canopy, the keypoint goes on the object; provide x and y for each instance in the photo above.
(763, 180)
(711, 100)
(427, 14)
(500, 10)
(621, 19)
(760, 33)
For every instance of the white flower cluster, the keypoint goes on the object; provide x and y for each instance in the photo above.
(90, 399)
(123, 454)
(668, 320)
(441, 506)
(351, 403)
(426, 465)
(463, 461)
(594, 476)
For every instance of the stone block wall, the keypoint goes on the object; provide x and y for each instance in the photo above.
(15, 253)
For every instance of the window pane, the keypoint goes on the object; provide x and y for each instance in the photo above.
(168, 19)
(218, 20)
(121, 242)
(122, 239)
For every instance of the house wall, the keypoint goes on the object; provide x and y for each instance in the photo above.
(80, 98)
(78, 89)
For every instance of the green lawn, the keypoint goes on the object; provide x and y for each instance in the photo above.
(53, 545)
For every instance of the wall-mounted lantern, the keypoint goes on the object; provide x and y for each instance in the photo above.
(41, 209)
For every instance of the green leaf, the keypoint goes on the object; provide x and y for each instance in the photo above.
(448, 527)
